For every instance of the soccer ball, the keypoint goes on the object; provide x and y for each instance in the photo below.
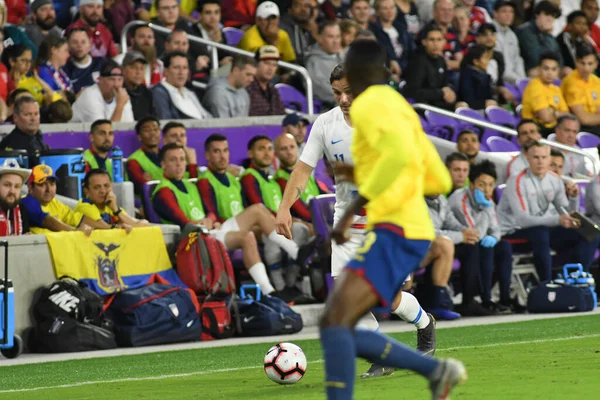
(285, 363)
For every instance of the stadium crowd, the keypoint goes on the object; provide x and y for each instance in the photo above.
(60, 68)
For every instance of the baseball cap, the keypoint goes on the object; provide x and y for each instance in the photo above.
(86, 2)
(35, 4)
(267, 52)
(132, 57)
(108, 67)
(267, 9)
(486, 28)
(501, 3)
(40, 173)
(11, 166)
(294, 119)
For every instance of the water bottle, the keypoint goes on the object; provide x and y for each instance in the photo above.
(117, 164)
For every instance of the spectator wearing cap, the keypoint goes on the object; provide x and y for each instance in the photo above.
(576, 34)
(167, 16)
(322, 59)
(486, 37)
(506, 41)
(300, 23)
(296, 125)
(535, 36)
(52, 56)
(172, 100)
(107, 99)
(227, 97)
(208, 27)
(90, 18)
(266, 31)
(264, 98)
(134, 67)
(43, 21)
(143, 165)
(238, 13)
(14, 219)
(27, 134)
(144, 44)
(82, 69)
(41, 199)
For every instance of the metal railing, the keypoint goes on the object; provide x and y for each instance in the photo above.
(215, 59)
(503, 129)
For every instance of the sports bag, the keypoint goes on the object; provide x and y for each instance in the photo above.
(557, 297)
(216, 320)
(203, 264)
(157, 313)
(69, 317)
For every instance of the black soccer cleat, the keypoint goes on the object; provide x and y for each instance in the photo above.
(378, 370)
(426, 342)
(306, 252)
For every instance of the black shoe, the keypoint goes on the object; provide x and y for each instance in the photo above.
(426, 342)
(284, 295)
(475, 309)
(378, 370)
(499, 308)
(306, 252)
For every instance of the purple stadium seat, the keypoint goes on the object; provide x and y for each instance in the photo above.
(469, 112)
(522, 84)
(587, 140)
(498, 144)
(233, 35)
(583, 185)
(322, 213)
(514, 90)
(294, 99)
(424, 123)
(500, 116)
(147, 190)
(446, 126)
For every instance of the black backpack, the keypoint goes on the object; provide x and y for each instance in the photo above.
(69, 317)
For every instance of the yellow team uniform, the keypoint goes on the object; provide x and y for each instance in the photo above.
(395, 164)
(538, 96)
(61, 212)
(253, 40)
(92, 211)
(578, 92)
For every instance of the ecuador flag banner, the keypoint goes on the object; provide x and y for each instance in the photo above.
(110, 261)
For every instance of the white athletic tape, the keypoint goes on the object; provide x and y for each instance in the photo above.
(216, 371)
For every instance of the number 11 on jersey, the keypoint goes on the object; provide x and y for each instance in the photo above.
(339, 157)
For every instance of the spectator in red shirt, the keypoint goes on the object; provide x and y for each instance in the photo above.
(16, 11)
(91, 15)
(3, 81)
(462, 24)
(239, 13)
(590, 8)
(477, 15)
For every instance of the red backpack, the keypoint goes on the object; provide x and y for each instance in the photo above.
(204, 265)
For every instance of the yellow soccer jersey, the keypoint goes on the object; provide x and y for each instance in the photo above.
(61, 212)
(395, 164)
(578, 92)
(90, 210)
(538, 96)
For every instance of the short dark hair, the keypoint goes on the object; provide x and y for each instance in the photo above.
(240, 61)
(20, 102)
(76, 29)
(215, 137)
(548, 8)
(566, 117)
(173, 32)
(99, 122)
(486, 167)
(365, 64)
(203, 3)
(583, 50)
(556, 153)
(170, 56)
(574, 15)
(456, 156)
(467, 132)
(172, 125)
(256, 138)
(337, 74)
(91, 173)
(167, 147)
(475, 52)
(59, 112)
(526, 121)
(549, 55)
(487, 27)
(428, 29)
(135, 28)
(327, 24)
(12, 97)
(142, 121)
(363, 34)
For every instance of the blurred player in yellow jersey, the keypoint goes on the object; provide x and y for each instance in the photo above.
(395, 166)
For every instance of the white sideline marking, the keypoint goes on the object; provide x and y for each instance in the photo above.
(216, 371)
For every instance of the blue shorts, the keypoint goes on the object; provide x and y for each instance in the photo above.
(386, 259)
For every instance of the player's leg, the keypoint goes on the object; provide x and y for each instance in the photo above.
(442, 259)
(257, 214)
(407, 307)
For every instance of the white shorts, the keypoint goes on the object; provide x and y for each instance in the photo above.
(230, 225)
(341, 254)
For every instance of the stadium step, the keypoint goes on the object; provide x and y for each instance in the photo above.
(310, 313)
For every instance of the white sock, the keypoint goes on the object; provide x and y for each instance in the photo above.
(258, 272)
(286, 244)
(410, 311)
(277, 279)
(368, 322)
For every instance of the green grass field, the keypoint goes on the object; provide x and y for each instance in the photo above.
(542, 359)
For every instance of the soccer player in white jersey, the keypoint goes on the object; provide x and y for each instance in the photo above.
(331, 135)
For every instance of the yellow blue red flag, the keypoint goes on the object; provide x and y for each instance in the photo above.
(111, 261)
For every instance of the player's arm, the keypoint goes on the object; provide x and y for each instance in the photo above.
(437, 177)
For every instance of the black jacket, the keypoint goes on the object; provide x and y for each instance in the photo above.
(18, 140)
(141, 102)
(425, 77)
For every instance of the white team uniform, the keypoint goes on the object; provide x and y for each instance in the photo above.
(229, 225)
(331, 136)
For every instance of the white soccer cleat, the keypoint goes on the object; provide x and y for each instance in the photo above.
(450, 373)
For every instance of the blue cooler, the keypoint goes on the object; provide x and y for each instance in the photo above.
(19, 155)
(11, 345)
(69, 167)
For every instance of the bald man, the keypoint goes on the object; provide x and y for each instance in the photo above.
(286, 150)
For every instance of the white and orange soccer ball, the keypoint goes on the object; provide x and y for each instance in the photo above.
(285, 363)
